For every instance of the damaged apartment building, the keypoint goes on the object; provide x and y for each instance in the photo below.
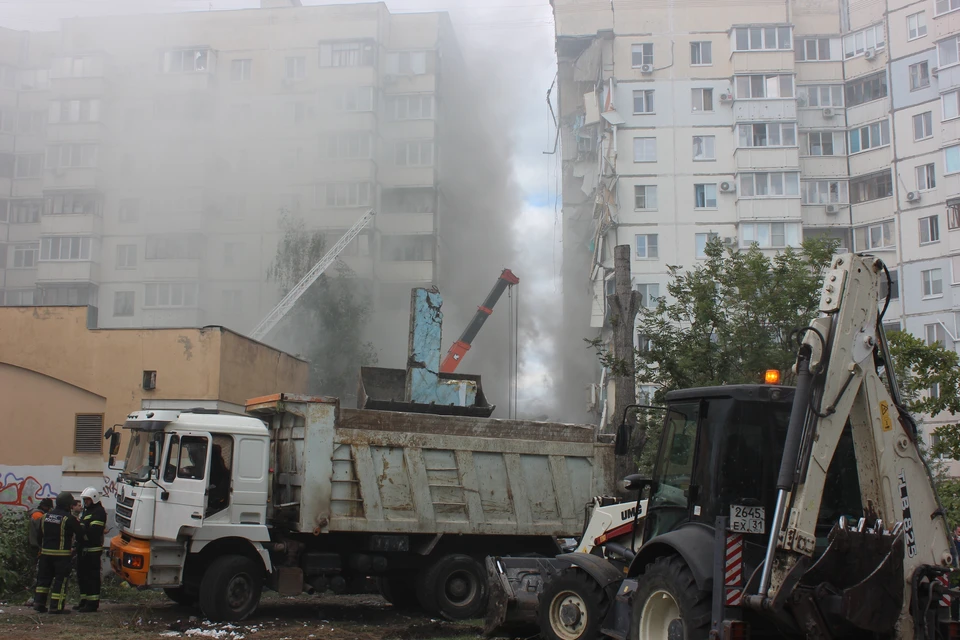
(146, 160)
(758, 121)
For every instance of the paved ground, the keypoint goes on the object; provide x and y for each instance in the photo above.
(306, 618)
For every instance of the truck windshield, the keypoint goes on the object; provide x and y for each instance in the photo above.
(137, 466)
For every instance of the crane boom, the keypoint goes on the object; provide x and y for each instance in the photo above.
(459, 348)
(283, 307)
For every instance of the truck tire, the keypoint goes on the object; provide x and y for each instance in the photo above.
(181, 596)
(230, 589)
(572, 607)
(400, 592)
(668, 603)
(456, 585)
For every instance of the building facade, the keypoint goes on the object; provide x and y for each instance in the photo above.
(147, 162)
(764, 122)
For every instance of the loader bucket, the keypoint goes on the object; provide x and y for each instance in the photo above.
(514, 586)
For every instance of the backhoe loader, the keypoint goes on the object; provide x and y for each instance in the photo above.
(773, 511)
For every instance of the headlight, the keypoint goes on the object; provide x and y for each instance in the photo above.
(132, 561)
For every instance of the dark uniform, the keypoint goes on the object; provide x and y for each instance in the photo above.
(90, 550)
(53, 570)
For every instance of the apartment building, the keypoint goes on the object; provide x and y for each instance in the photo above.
(152, 158)
(760, 121)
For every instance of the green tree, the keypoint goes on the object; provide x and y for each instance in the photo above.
(328, 321)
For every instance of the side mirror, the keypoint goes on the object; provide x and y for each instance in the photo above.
(621, 446)
(114, 437)
(636, 482)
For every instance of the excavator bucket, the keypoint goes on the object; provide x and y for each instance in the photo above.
(514, 586)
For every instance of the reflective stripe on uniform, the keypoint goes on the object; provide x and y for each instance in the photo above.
(55, 552)
(96, 597)
(98, 523)
(43, 589)
(93, 549)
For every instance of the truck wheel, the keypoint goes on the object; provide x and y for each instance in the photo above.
(668, 604)
(458, 585)
(181, 596)
(230, 589)
(400, 592)
(572, 607)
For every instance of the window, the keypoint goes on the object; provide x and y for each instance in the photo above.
(408, 63)
(354, 99)
(932, 280)
(170, 294)
(947, 52)
(822, 143)
(68, 295)
(30, 79)
(702, 100)
(232, 301)
(415, 107)
(191, 459)
(70, 203)
(870, 136)
(123, 304)
(916, 26)
(762, 38)
(29, 165)
(894, 287)
(415, 153)
(72, 156)
(770, 235)
(347, 54)
(643, 101)
(30, 122)
(407, 248)
(764, 86)
(951, 105)
(353, 194)
(871, 187)
(943, 6)
(644, 196)
(642, 54)
(19, 297)
(929, 229)
(704, 148)
(768, 134)
(953, 214)
(701, 53)
(644, 149)
(926, 177)
(184, 61)
(126, 256)
(241, 70)
(825, 95)
(25, 211)
(951, 159)
(858, 43)
(647, 245)
(129, 209)
(701, 243)
(923, 125)
(866, 89)
(705, 196)
(778, 183)
(173, 247)
(874, 236)
(824, 192)
(649, 292)
(350, 145)
(88, 433)
(25, 255)
(295, 68)
(919, 75)
(812, 49)
(74, 111)
(64, 248)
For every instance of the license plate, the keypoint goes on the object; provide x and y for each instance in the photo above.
(747, 519)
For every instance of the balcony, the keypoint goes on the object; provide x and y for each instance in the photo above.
(765, 110)
(755, 61)
(24, 187)
(816, 215)
(772, 208)
(826, 72)
(820, 118)
(398, 223)
(393, 176)
(413, 271)
(76, 178)
(761, 158)
(823, 166)
(79, 224)
(75, 131)
(68, 271)
(870, 161)
(164, 270)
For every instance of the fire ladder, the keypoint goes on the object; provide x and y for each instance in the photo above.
(284, 306)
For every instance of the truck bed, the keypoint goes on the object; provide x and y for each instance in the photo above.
(351, 470)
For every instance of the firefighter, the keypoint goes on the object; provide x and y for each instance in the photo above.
(53, 570)
(35, 535)
(89, 551)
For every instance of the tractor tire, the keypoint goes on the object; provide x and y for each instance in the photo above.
(181, 596)
(572, 607)
(455, 587)
(231, 587)
(668, 603)
(400, 592)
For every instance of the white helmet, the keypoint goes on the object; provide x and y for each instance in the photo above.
(91, 493)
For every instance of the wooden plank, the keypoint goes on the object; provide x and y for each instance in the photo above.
(518, 489)
(561, 488)
(471, 490)
(369, 490)
(419, 485)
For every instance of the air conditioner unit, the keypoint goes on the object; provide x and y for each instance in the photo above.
(828, 112)
(913, 196)
(728, 241)
(728, 187)
(832, 208)
(801, 100)
(726, 97)
(646, 69)
(869, 54)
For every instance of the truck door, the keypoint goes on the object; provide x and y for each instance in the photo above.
(185, 476)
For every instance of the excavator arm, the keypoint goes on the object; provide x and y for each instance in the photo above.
(869, 575)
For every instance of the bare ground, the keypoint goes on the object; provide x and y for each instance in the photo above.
(301, 618)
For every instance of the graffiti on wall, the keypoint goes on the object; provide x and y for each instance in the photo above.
(24, 492)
